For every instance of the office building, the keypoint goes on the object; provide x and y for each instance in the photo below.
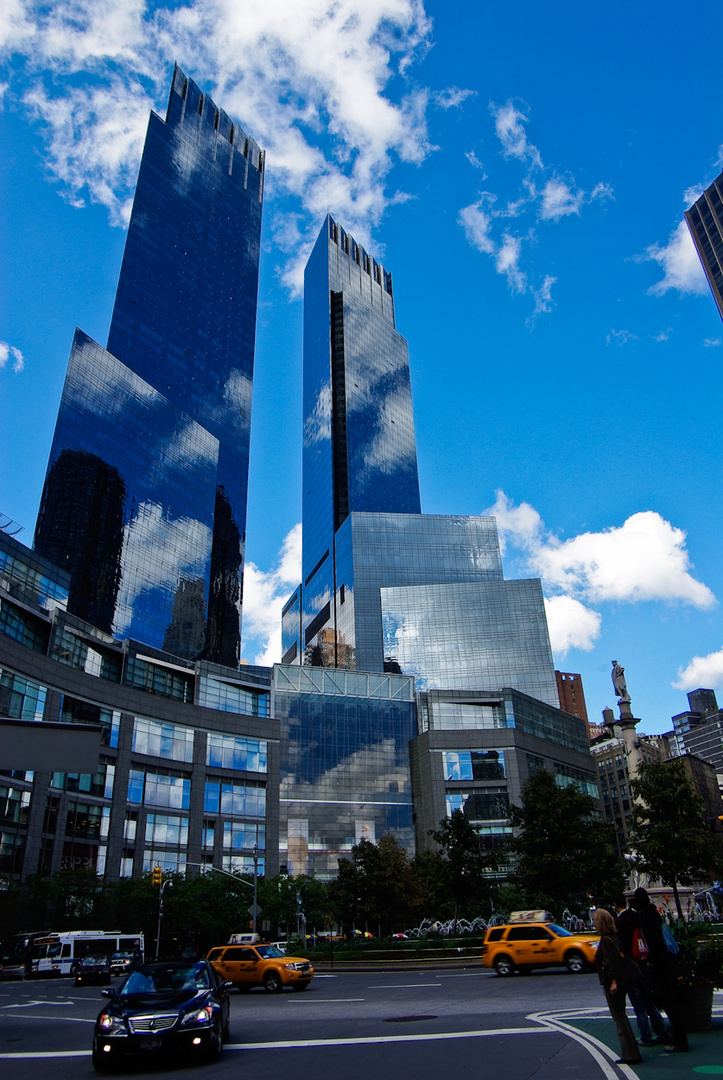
(185, 770)
(699, 730)
(705, 221)
(571, 694)
(475, 751)
(144, 502)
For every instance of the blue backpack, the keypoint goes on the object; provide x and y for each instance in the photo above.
(670, 943)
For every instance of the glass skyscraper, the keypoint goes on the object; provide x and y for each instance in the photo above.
(145, 496)
(705, 221)
(387, 588)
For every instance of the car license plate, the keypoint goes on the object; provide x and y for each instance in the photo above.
(151, 1044)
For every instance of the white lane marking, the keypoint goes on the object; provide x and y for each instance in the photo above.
(46, 1054)
(321, 1001)
(30, 1004)
(404, 986)
(63, 1019)
(326, 976)
(465, 975)
(597, 1050)
(373, 1040)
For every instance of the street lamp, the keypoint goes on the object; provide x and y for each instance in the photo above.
(160, 915)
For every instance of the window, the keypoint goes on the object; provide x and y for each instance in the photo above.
(157, 739)
(229, 752)
(474, 764)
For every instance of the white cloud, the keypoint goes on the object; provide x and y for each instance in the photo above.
(558, 200)
(681, 264)
(644, 559)
(571, 625)
(309, 82)
(712, 343)
(507, 261)
(265, 594)
(663, 335)
(602, 191)
(476, 222)
(706, 671)
(509, 121)
(11, 357)
(543, 200)
(452, 97)
(543, 296)
(620, 337)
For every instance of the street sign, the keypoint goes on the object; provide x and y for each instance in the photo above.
(254, 911)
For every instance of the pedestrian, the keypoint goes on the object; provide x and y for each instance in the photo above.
(663, 972)
(616, 973)
(633, 944)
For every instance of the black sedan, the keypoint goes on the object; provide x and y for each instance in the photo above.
(162, 1009)
(93, 969)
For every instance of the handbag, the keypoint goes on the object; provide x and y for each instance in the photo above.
(640, 950)
(630, 973)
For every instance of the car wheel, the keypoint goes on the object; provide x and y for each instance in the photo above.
(299, 986)
(504, 965)
(215, 1045)
(575, 962)
(272, 982)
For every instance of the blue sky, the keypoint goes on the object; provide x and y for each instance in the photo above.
(523, 174)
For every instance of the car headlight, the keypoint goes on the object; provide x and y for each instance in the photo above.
(198, 1017)
(294, 967)
(111, 1025)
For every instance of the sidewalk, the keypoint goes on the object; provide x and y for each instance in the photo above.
(705, 1057)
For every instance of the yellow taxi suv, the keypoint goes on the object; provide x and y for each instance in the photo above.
(531, 940)
(249, 965)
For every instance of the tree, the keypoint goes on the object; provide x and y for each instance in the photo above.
(467, 862)
(283, 898)
(376, 887)
(564, 852)
(669, 832)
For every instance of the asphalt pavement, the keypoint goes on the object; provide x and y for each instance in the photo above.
(549, 1025)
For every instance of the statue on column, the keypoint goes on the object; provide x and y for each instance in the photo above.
(618, 676)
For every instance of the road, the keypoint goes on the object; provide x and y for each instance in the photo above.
(359, 1026)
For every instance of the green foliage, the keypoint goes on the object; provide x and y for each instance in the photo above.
(376, 888)
(700, 961)
(466, 861)
(669, 833)
(283, 898)
(565, 854)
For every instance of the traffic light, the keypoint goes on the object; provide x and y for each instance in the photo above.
(156, 876)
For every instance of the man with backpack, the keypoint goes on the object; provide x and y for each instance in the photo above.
(634, 945)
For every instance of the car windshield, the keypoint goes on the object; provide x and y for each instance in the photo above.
(268, 952)
(162, 978)
(559, 930)
(92, 961)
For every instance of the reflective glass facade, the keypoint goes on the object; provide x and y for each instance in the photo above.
(705, 221)
(344, 764)
(128, 504)
(479, 636)
(359, 451)
(145, 496)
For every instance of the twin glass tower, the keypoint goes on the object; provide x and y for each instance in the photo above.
(145, 495)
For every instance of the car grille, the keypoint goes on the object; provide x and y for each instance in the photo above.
(306, 968)
(152, 1023)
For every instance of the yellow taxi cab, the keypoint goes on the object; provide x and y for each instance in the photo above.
(250, 965)
(531, 940)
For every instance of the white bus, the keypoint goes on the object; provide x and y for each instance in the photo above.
(60, 953)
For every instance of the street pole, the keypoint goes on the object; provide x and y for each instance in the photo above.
(256, 884)
(160, 915)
